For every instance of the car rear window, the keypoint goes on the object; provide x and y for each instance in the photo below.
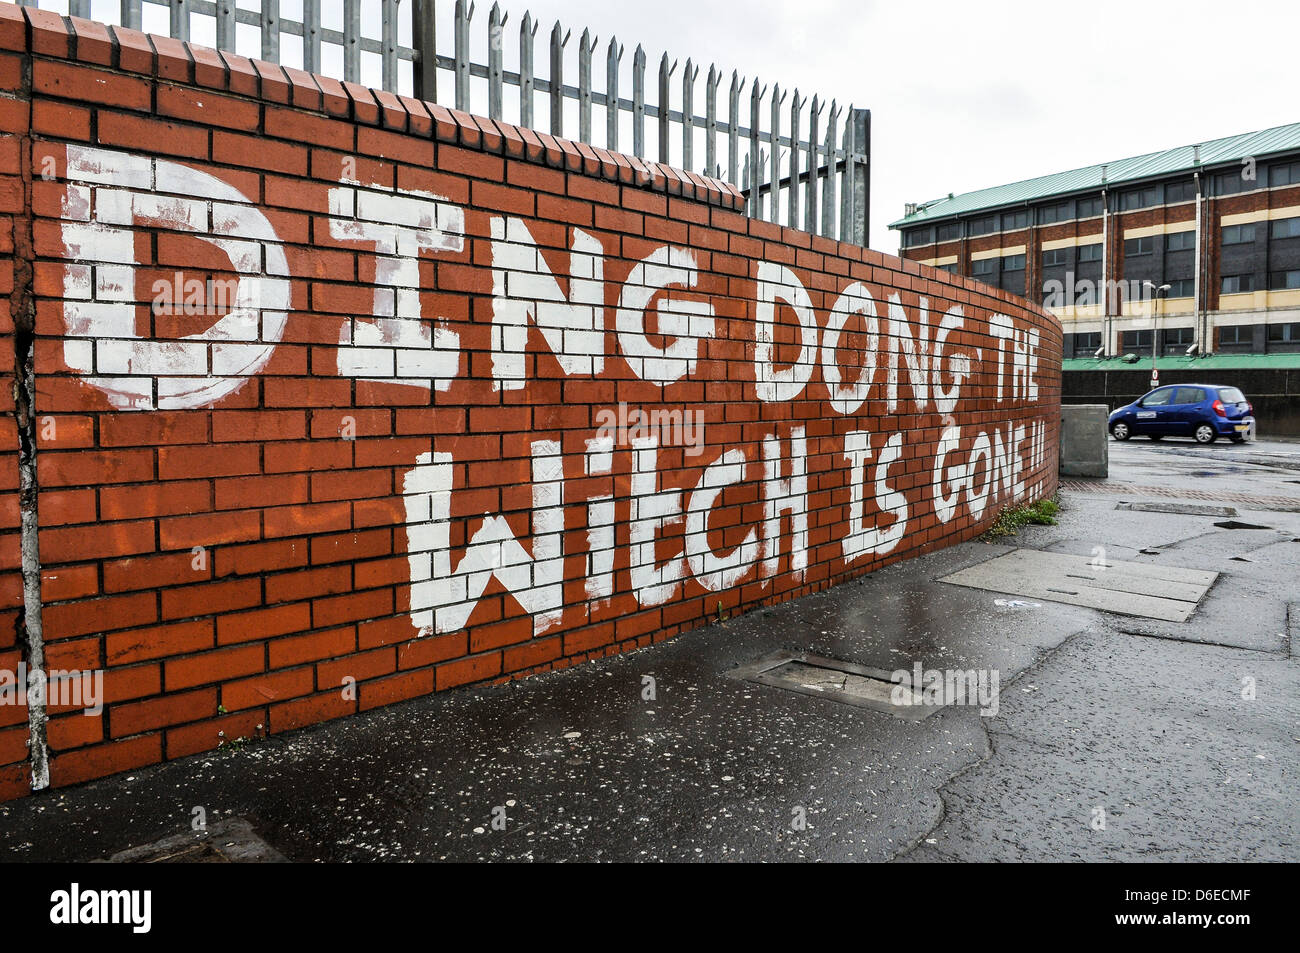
(1231, 395)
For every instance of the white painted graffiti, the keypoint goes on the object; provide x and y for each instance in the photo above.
(393, 344)
(107, 193)
(555, 301)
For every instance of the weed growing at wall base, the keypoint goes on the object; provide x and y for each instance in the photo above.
(1012, 518)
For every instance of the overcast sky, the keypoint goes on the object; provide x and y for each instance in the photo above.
(963, 95)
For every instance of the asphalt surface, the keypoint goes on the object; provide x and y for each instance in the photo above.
(1116, 738)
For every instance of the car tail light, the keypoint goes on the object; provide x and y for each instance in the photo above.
(1250, 408)
(1219, 408)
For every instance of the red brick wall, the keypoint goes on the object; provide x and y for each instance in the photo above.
(264, 515)
(14, 122)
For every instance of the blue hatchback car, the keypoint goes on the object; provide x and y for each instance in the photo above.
(1203, 412)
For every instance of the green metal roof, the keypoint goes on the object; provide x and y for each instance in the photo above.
(1180, 362)
(1215, 152)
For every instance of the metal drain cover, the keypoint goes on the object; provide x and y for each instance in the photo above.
(1120, 587)
(1178, 509)
(232, 841)
(844, 682)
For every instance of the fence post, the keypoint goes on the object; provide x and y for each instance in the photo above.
(810, 187)
(796, 107)
(527, 30)
(829, 204)
(131, 15)
(638, 102)
(774, 186)
(423, 38)
(311, 36)
(613, 108)
(587, 46)
(755, 150)
(665, 74)
(557, 78)
(352, 43)
(389, 43)
(180, 19)
(496, 59)
(688, 114)
(733, 125)
(271, 30)
(463, 17)
(859, 181)
(224, 12)
(711, 120)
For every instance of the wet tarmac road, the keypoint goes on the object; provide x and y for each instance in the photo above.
(1142, 720)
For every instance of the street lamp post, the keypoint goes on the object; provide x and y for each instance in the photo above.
(1160, 293)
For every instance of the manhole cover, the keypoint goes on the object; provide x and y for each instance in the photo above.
(844, 682)
(1178, 509)
(1120, 587)
(231, 841)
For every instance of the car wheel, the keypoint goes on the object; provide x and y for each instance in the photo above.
(1205, 434)
(1120, 431)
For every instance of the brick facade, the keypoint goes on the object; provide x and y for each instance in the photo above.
(384, 466)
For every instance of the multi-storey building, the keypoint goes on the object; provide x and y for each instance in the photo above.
(1218, 222)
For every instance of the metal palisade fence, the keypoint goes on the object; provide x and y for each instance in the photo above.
(792, 169)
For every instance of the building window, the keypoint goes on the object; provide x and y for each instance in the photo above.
(1179, 192)
(1137, 339)
(1087, 208)
(1236, 334)
(1182, 288)
(982, 226)
(1139, 198)
(1014, 220)
(917, 236)
(1288, 174)
(949, 232)
(1086, 343)
(1054, 213)
(1090, 252)
(1138, 246)
(1237, 284)
(1055, 256)
(1284, 333)
(1177, 340)
(951, 267)
(1180, 241)
(982, 266)
(1013, 263)
(1285, 228)
(1239, 234)
(1284, 280)
(1228, 183)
